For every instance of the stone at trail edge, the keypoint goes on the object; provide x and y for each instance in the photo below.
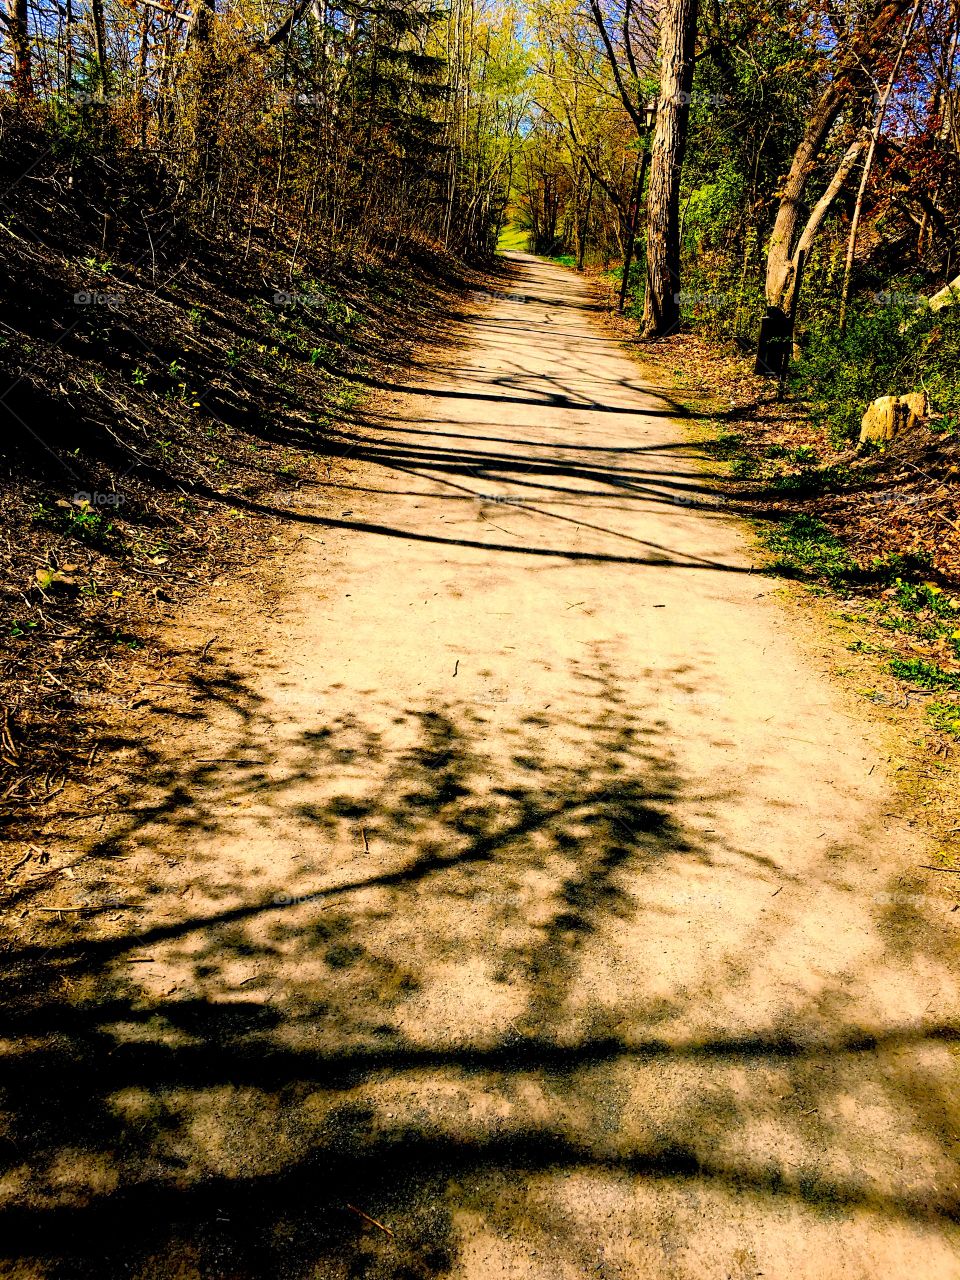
(889, 416)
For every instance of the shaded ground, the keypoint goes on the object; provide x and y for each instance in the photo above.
(513, 899)
(162, 400)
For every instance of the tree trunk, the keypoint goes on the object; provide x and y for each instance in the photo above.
(20, 48)
(585, 227)
(100, 45)
(661, 308)
(201, 164)
(852, 74)
(67, 81)
(781, 315)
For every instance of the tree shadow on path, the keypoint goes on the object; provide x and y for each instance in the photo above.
(436, 998)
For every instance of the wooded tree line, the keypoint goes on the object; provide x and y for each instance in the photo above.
(731, 154)
(353, 123)
(790, 138)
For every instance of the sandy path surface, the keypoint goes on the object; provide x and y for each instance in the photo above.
(527, 889)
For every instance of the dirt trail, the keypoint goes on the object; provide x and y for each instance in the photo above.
(526, 889)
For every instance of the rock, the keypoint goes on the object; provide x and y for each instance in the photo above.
(880, 421)
(948, 295)
(891, 415)
(917, 408)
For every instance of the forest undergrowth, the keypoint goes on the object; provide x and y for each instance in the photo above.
(170, 399)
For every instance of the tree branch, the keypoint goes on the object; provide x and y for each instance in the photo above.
(625, 98)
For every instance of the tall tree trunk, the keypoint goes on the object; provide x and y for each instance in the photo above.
(851, 76)
(141, 77)
(68, 46)
(20, 48)
(661, 308)
(201, 164)
(776, 328)
(100, 45)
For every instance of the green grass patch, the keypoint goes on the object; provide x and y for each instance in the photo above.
(945, 716)
(913, 597)
(803, 546)
(726, 444)
(80, 520)
(922, 610)
(744, 468)
(513, 239)
(926, 675)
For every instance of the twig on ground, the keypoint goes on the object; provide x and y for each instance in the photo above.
(366, 1217)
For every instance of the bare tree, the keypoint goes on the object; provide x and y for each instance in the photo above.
(868, 163)
(795, 226)
(851, 80)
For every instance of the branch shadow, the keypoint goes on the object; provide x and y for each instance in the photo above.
(368, 996)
